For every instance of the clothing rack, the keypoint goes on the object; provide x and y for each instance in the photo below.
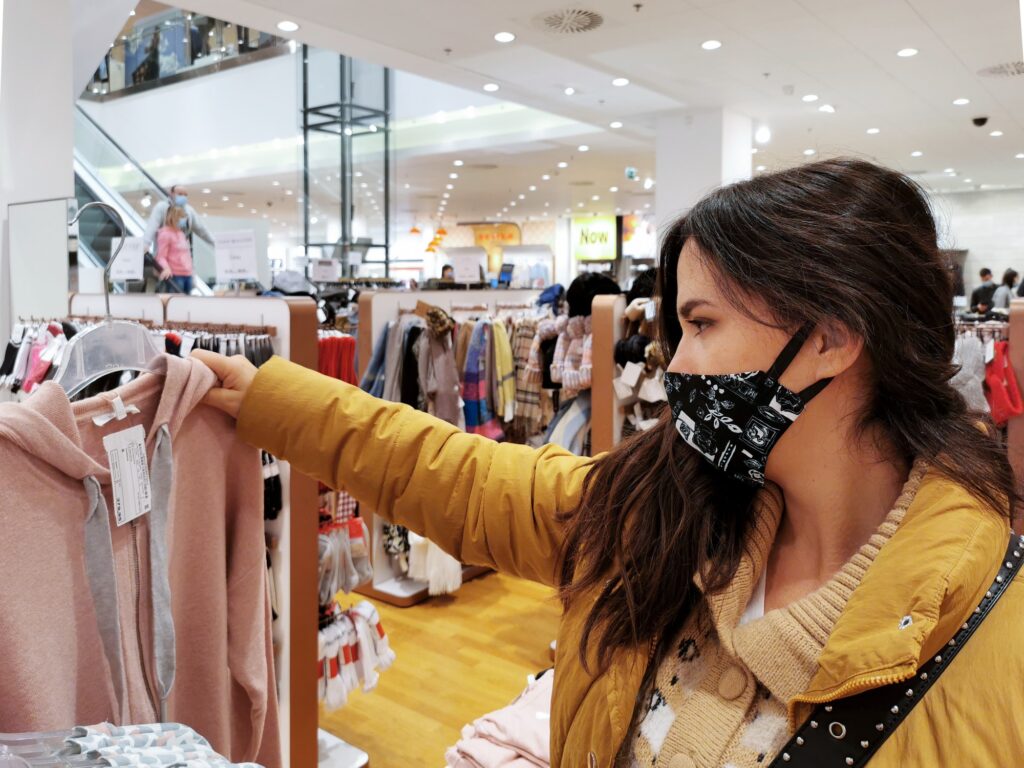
(376, 309)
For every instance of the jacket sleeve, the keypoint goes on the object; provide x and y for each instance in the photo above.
(198, 227)
(483, 502)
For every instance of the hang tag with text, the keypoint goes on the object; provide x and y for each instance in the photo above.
(129, 474)
(990, 351)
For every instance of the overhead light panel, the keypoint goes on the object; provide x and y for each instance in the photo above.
(457, 163)
(569, 91)
(613, 189)
(648, 182)
(453, 175)
(996, 134)
(916, 153)
(763, 134)
(491, 87)
(961, 102)
(206, 190)
(809, 152)
(620, 82)
(533, 188)
(1019, 156)
(583, 148)
(810, 97)
(563, 164)
(760, 167)
(287, 26)
(505, 37)
(872, 131)
(827, 109)
(906, 53)
(711, 45)
(546, 177)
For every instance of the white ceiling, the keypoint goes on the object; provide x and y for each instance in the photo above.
(772, 54)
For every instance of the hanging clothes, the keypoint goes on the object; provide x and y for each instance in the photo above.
(504, 372)
(476, 389)
(571, 426)
(572, 362)
(439, 377)
(373, 378)
(168, 611)
(1001, 388)
(969, 381)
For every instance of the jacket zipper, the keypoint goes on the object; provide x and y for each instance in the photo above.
(137, 586)
(846, 689)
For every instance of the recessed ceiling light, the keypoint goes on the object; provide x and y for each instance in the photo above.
(547, 205)
(1019, 156)
(206, 205)
(906, 53)
(458, 163)
(916, 153)
(949, 170)
(997, 134)
(446, 195)
(252, 210)
(809, 152)
(753, 150)
(513, 203)
(760, 167)
(407, 185)
(288, 192)
(546, 177)
(827, 108)
(563, 164)
(961, 102)
(569, 91)
(491, 87)
(711, 45)
(224, 199)
(533, 188)
(810, 97)
(449, 186)
(968, 181)
(648, 182)
(620, 82)
(595, 198)
(504, 37)
(288, 26)
(505, 210)
(206, 190)
(615, 124)
(579, 205)
(522, 197)
(453, 175)
(313, 220)
(613, 189)
(358, 174)
(763, 134)
(872, 131)
(241, 205)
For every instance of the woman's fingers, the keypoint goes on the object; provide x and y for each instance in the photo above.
(235, 375)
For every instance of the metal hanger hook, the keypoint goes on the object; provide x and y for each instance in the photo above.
(113, 257)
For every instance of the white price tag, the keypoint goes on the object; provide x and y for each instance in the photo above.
(990, 351)
(129, 262)
(235, 254)
(129, 474)
(651, 310)
(187, 342)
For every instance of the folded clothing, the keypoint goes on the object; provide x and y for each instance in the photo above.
(516, 736)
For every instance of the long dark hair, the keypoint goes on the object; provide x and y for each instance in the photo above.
(836, 241)
(1009, 278)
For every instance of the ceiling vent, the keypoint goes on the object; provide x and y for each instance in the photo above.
(570, 21)
(1008, 69)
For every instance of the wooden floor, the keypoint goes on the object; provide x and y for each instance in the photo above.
(459, 657)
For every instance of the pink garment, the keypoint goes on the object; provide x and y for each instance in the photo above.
(59, 631)
(571, 362)
(518, 735)
(173, 252)
(37, 366)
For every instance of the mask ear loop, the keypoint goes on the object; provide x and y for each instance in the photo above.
(789, 353)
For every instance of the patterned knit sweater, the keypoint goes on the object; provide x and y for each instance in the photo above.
(720, 698)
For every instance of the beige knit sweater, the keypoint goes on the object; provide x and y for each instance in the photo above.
(720, 699)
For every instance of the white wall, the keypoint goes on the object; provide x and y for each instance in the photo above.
(989, 225)
(36, 142)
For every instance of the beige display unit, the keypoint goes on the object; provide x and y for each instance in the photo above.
(606, 417)
(376, 309)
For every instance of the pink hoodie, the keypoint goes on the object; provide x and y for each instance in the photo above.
(86, 606)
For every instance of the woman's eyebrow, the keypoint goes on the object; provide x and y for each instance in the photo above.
(687, 309)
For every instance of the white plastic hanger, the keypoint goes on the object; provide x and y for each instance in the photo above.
(113, 345)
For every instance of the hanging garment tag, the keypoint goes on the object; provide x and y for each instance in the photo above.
(187, 342)
(119, 411)
(650, 311)
(129, 474)
(990, 351)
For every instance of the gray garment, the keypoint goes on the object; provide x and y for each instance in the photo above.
(394, 354)
(439, 378)
(1001, 298)
(156, 220)
(99, 568)
(969, 354)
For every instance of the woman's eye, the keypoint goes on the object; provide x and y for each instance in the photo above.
(698, 326)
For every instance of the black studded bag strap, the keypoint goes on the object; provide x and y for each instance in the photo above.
(848, 732)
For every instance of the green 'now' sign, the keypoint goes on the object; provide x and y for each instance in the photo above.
(594, 238)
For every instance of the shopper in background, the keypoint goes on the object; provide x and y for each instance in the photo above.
(981, 297)
(193, 222)
(172, 251)
(1003, 294)
(448, 272)
(817, 515)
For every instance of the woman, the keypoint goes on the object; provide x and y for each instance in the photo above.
(1004, 293)
(705, 614)
(173, 253)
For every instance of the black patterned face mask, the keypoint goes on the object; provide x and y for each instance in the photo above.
(734, 420)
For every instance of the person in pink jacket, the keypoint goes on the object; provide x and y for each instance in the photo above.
(172, 250)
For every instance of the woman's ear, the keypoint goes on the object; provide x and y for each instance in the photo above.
(837, 349)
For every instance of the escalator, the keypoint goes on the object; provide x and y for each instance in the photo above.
(104, 172)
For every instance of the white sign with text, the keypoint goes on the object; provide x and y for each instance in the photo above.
(235, 253)
(129, 263)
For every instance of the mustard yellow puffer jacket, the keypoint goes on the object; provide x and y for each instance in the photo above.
(494, 504)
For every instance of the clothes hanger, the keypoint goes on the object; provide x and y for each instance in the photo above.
(110, 346)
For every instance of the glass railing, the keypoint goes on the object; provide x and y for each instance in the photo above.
(175, 45)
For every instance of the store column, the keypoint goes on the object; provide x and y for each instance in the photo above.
(695, 153)
(36, 122)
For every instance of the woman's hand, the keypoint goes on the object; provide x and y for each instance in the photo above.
(235, 374)
(166, 274)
